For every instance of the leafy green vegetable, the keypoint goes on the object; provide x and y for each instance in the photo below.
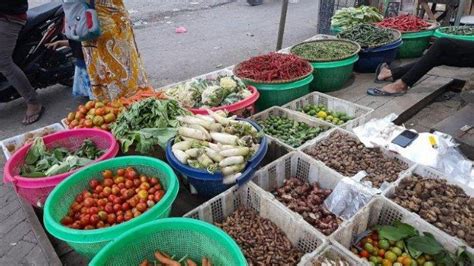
(350, 16)
(40, 162)
(397, 231)
(147, 123)
(425, 244)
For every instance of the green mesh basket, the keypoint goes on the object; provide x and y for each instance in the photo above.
(89, 242)
(175, 236)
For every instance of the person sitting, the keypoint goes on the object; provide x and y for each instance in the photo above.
(444, 51)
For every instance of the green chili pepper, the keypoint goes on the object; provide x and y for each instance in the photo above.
(367, 35)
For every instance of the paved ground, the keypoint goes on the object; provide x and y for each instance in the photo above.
(217, 37)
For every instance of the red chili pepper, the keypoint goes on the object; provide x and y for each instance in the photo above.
(273, 66)
(404, 23)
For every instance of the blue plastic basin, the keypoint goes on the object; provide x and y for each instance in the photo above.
(370, 58)
(209, 185)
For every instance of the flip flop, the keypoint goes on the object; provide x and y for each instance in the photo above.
(39, 114)
(377, 72)
(379, 92)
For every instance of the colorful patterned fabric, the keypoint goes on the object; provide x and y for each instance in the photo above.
(113, 62)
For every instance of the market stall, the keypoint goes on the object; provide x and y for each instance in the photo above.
(292, 185)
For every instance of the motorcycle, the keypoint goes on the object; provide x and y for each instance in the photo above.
(43, 67)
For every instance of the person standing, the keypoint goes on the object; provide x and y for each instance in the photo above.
(12, 20)
(113, 63)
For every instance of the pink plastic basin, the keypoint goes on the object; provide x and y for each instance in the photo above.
(36, 190)
(243, 108)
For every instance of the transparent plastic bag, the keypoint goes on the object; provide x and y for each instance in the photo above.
(347, 198)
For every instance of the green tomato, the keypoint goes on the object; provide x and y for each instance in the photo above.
(397, 251)
(384, 244)
(372, 263)
(391, 256)
(373, 259)
(413, 263)
(400, 244)
(397, 264)
(369, 247)
(429, 263)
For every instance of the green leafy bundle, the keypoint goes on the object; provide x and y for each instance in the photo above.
(147, 123)
(351, 16)
(40, 162)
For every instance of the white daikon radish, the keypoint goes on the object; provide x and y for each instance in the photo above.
(214, 155)
(181, 156)
(192, 133)
(220, 119)
(199, 127)
(228, 147)
(232, 169)
(214, 146)
(224, 138)
(183, 145)
(241, 151)
(190, 120)
(231, 161)
(206, 118)
(194, 153)
(216, 127)
(231, 179)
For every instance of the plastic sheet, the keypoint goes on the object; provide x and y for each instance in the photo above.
(445, 156)
(347, 198)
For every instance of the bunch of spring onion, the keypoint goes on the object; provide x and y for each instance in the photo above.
(216, 143)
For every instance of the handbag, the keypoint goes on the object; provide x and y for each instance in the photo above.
(81, 20)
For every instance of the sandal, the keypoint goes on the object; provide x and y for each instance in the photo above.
(38, 114)
(377, 72)
(379, 92)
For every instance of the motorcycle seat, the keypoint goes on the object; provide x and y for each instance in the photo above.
(39, 14)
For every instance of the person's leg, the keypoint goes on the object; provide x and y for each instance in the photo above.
(8, 36)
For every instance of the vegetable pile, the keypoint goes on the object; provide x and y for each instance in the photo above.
(273, 67)
(330, 260)
(115, 199)
(142, 95)
(261, 241)
(459, 30)
(325, 50)
(405, 23)
(41, 162)
(167, 260)
(351, 16)
(368, 35)
(29, 137)
(444, 205)
(402, 245)
(216, 143)
(204, 93)
(94, 114)
(320, 111)
(307, 199)
(289, 131)
(147, 123)
(348, 156)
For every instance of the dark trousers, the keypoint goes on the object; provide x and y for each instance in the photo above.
(9, 31)
(449, 52)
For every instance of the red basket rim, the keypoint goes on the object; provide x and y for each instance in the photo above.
(27, 182)
(232, 107)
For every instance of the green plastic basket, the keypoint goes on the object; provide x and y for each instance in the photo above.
(331, 76)
(281, 93)
(175, 236)
(414, 44)
(439, 34)
(89, 242)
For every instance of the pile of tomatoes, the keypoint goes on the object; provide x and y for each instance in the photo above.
(116, 199)
(94, 114)
(385, 252)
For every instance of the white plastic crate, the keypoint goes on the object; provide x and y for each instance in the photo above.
(332, 250)
(381, 211)
(360, 113)
(430, 173)
(275, 151)
(388, 154)
(299, 165)
(296, 116)
(19, 140)
(301, 235)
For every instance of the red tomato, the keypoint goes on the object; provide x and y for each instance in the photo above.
(121, 172)
(94, 219)
(364, 254)
(66, 220)
(93, 183)
(128, 183)
(93, 210)
(108, 182)
(117, 207)
(85, 220)
(125, 206)
(143, 178)
(102, 216)
(141, 207)
(153, 181)
(109, 208)
(107, 174)
(119, 218)
(144, 186)
(89, 202)
(115, 190)
(111, 218)
(131, 174)
(136, 182)
(99, 188)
